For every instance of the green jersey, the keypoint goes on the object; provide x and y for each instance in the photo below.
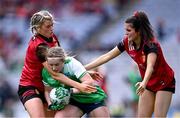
(133, 79)
(75, 71)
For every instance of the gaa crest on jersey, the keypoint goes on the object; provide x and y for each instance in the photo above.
(132, 53)
(131, 46)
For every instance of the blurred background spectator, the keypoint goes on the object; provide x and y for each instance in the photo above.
(132, 78)
(87, 28)
(161, 29)
(7, 98)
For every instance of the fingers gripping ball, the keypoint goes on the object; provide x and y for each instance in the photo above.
(59, 97)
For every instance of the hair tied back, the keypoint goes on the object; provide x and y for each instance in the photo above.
(136, 13)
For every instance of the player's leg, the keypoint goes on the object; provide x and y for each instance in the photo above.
(32, 100)
(48, 113)
(100, 112)
(69, 111)
(35, 107)
(146, 104)
(162, 103)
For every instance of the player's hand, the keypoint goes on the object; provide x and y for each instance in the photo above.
(96, 75)
(55, 107)
(141, 86)
(85, 88)
(74, 90)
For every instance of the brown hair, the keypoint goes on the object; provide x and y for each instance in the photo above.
(140, 23)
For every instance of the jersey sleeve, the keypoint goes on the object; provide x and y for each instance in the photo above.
(78, 69)
(151, 47)
(45, 76)
(121, 46)
(49, 81)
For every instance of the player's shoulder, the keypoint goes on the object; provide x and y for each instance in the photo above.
(70, 60)
(35, 38)
(35, 41)
(152, 43)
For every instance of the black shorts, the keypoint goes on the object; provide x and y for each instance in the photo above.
(86, 107)
(170, 87)
(28, 92)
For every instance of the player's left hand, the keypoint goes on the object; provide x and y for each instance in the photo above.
(55, 107)
(86, 88)
(141, 86)
(96, 75)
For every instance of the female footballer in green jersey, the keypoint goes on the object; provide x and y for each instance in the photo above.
(80, 103)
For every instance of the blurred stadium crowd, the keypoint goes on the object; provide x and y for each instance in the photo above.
(85, 28)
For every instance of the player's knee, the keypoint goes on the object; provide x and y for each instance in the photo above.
(37, 115)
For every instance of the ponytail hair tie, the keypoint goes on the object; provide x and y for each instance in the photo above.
(135, 13)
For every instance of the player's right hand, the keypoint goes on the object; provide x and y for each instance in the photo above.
(141, 86)
(85, 88)
(96, 75)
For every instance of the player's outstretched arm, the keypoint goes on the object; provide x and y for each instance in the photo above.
(62, 78)
(103, 59)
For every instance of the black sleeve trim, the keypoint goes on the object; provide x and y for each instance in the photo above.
(151, 47)
(57, 40)
(41, 51)
(121, 46)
